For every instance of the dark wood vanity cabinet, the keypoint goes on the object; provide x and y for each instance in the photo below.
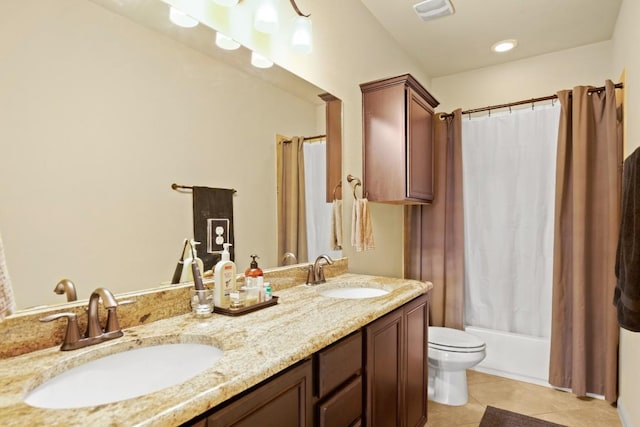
(398, 151)
(376, 376)
(396, 367)
(284, 401)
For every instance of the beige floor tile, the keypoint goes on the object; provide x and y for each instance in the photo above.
(585, 417)
(528, 399)
(447, 416)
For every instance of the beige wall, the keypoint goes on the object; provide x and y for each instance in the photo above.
(99, 117)
(627, 56)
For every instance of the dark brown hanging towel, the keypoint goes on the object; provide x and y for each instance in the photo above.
(626, 296)
(212, 223)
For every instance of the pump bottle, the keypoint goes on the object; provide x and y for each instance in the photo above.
(224, 276)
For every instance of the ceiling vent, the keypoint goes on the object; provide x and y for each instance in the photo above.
(432, 9)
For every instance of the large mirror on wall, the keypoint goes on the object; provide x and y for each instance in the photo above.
(107, 104)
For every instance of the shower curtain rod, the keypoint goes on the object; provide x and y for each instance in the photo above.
(306, 138)
(523, 102)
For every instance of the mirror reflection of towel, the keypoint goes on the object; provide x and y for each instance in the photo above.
(212, 203)
(361, 227)
(7, 302)
(335, 242)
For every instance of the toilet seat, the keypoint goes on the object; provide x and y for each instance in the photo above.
(453, 340)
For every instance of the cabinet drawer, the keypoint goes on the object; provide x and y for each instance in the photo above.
(339, 362)
(344, 408)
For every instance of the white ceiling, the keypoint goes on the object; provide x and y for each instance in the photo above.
(462, 41)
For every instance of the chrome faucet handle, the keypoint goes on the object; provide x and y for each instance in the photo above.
(72, 334)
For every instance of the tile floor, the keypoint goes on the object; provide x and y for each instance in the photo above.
(525, 398)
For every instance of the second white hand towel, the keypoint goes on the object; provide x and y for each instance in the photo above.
(361, 227)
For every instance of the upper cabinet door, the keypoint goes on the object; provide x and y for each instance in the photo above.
(419, 148)
(397, 141)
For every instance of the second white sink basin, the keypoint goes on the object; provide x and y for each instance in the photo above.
(353, 292)
(124, 375)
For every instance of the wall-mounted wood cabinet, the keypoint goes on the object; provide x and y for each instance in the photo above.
(398, 150)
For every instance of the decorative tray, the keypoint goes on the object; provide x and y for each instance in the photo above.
(244, 310)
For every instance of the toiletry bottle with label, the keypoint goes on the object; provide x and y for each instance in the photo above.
(224, 276)
(254, 280)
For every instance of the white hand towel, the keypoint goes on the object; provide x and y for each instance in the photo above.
(336, 226)
(7, 303)
(361, 227)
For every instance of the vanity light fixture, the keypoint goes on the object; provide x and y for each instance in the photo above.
(301, 38)
(181, 19)
(226, 42)
(260, 61)
(226, 3)
(266, 17)
(504, 45)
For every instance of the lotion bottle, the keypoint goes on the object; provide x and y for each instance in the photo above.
(224, 276)
(254, 280)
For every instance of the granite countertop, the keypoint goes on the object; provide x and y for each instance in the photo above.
(256, 346)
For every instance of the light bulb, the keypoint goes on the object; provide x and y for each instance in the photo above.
(266, 17)
(260, 61)
(226, 3)
(181, 19)
(225, 42)
(301, 39)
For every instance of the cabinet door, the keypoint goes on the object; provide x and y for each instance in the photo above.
(384, 356)
(419, 148)
(416, 380)
(285, 401)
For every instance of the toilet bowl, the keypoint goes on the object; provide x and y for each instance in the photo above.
(451, 353)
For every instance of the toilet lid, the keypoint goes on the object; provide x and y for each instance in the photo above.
(448, 339)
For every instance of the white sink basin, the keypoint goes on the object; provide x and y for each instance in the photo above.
(124, 375)
(353, 292)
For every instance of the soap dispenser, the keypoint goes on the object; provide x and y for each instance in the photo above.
(224, 276)
(254, 282)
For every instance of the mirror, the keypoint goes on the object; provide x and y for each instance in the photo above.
(104, 112)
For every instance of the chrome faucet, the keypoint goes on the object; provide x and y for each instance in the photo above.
(66, 286)
(94, 333)
(315, 273)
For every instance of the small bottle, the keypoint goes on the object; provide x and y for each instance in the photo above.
(254, 279)
(224, 276)
(267, 291)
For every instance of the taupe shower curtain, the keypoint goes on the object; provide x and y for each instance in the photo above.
(292, 224)
(435, 233)
(584, 335)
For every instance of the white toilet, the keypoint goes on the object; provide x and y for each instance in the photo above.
(451, 353)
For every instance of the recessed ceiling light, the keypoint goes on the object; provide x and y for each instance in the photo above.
(504, 45)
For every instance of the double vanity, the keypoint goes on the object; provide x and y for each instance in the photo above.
(322, 355)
